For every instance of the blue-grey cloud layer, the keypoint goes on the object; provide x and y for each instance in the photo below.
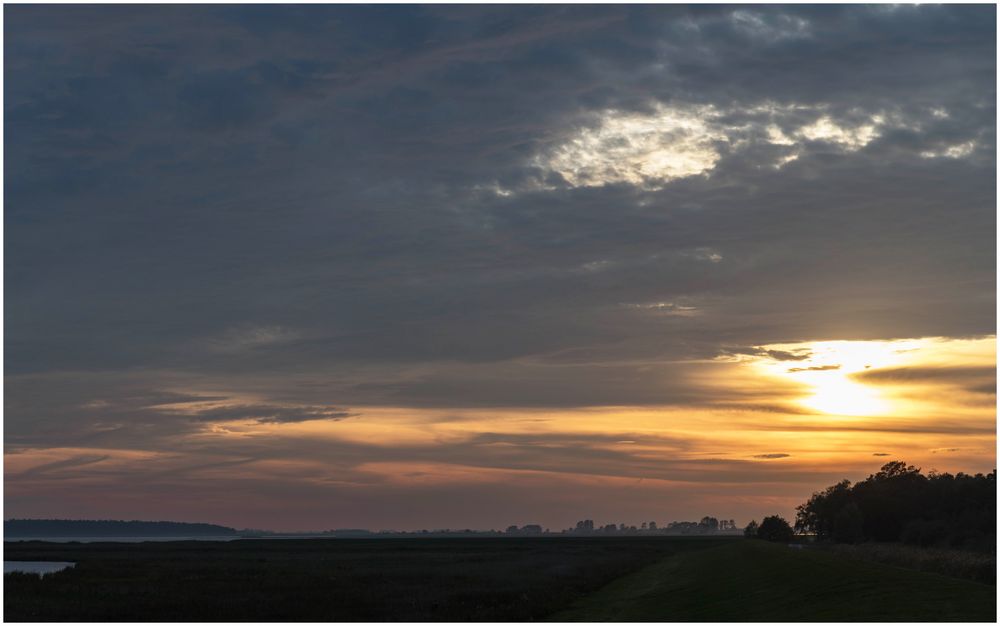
(353, 204)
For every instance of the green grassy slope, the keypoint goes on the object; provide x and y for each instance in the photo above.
(758, 581)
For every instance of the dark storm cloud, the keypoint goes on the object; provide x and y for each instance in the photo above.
(364, 197)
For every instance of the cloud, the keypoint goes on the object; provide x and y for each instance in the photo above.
(56, 466)
(770, 27)
(772, 455)
(270, 414)
(637, 149)
(221, 258)
(975, 379)
(251, 338)
(664, 308)
(650, 149)
(815, 368)
(777, 355)
(955, 151)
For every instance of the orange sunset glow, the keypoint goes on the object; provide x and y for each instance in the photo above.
(811, 413)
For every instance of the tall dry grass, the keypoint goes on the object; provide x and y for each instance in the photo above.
(978, 566)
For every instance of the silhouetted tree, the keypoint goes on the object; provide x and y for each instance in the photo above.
(775, 528)
(898, 503)
(848, 525)
(889, 498)
(818, 513)
(924, 532)
(751, 529)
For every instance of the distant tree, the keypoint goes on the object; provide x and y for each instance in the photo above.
(710, 524)
(652, 525)
(512, 530)
(775, 528)
(751, 529)
(685, 528)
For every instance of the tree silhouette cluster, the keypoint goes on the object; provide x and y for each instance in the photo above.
(707, 526)
(899, 503)
(771, 528)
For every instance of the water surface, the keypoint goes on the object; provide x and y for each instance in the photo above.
(36, 567)
(122, 539)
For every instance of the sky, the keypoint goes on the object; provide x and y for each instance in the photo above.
(404, 267)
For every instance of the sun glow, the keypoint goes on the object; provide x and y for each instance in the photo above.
(836, 395)
(829, 368)
(833, 371)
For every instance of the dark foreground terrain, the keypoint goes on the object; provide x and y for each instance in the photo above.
(325, 580)
(621, 579)
(756, 581)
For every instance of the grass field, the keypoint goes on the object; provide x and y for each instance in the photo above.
(759, 581)
(564, 579)
(494, 579)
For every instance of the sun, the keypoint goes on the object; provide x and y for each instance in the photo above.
(826, 368)
(835, 394)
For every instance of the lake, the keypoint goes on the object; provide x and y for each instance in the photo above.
(122, 539)
(36, 567)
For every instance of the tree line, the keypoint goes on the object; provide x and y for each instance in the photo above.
(108, 528)
(899, 503)
(707, 525)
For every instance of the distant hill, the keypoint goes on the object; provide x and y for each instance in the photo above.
(109, 528)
